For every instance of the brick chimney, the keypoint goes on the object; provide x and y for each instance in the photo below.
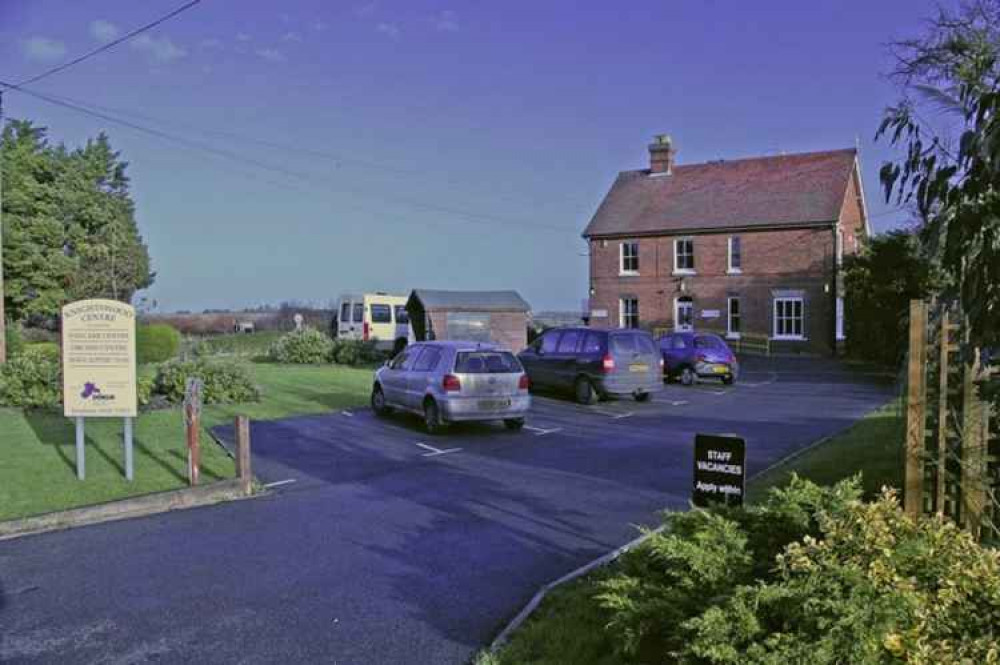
(662, 154)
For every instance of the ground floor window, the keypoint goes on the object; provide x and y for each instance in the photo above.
(684, 314)
(628, 312)
(789, 314)
(840, 319)
(733, 325)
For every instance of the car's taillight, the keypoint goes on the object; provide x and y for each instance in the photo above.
(524, 382)
(607, 363)
(364, 333)
(451, 383)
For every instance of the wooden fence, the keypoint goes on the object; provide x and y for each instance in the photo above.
(952, 435)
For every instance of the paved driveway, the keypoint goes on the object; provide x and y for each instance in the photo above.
(383, 545)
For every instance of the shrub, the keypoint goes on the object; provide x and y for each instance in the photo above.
(144, 389)
(13, 339)
(302, 347)
(356, 352)
(156, 343)
(223, 382)
(32, 379)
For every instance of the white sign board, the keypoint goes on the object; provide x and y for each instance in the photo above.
(710, 314)
(98, 347)
(599, 314)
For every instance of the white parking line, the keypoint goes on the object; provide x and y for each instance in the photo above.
(278, 483)
(773, 379)
(679, 402)
(347, 413)
(623, 415)
(542, 431)
(436, 451)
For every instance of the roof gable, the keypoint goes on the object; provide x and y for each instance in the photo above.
(480, 301)
(785, 190)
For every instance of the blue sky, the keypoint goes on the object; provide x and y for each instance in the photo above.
(472, 140)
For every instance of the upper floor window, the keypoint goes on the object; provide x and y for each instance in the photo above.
(684, 255)
(629, 255)
(735, 254)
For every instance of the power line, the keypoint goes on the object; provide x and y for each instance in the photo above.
(470, 216)
(109, 45)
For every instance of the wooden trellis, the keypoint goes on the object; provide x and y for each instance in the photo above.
(952, 435)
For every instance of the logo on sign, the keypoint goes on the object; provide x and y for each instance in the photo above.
(91, 391)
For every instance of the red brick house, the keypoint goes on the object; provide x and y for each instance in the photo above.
(749, 248)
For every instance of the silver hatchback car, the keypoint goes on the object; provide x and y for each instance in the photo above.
(451, 381)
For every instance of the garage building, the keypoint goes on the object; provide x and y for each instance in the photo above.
(500, 317)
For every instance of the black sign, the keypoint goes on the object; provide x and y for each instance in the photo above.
(719, 469)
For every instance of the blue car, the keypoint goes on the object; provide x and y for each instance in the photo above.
(689, 355)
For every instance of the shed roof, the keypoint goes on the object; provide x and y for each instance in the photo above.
(785, 190)
(480, 301)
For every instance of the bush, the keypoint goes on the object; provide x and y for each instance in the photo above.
(302, 347)
(13, 339)
(144, 389)
(223, 382)
(33, 378)
(356, 352)
(156, 343)
(812, 575)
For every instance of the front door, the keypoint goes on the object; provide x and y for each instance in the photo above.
(683, 315)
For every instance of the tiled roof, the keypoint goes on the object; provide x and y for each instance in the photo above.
(782, 190)
(483, 301)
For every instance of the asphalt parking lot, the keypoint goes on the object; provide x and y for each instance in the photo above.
(381, 544)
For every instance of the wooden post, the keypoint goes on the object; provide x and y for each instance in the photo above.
(192, 418)
(942, 433)
(916, 415)
(974, 442)
(243, 471)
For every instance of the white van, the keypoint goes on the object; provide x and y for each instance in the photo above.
(375, 316)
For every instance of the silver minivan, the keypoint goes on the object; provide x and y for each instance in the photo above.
(450, 381)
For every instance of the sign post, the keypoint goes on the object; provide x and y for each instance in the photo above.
(719, 470)
(99, 374)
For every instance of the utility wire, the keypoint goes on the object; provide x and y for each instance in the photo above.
(109, 45)
(470, 216)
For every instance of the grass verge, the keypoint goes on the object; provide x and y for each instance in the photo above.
(569, 626)
(38, 473)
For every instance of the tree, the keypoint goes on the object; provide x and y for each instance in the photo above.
(880, 281)
(69, 225)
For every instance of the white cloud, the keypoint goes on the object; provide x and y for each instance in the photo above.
(447, 21)
(42, 49)
(291, 37)
(388, 29)
(160, 50)
(242, 37)
(271, 54)
(104, 31)
(211, 43)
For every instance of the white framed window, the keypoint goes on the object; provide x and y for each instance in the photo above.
(628, 312)
(734, 317)
(683, 314)
(840, 247)
(840, 319)
(684, 256)
(789, 318)
(735, 264)
(628, 258)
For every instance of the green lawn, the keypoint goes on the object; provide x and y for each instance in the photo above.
(38, 470)
(569, 627)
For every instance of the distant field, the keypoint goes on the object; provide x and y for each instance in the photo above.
(235, 344)
(38, 473)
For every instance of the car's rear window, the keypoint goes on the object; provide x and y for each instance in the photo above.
(706, 342)
(631, 343)
(381, 314)
(486, 362)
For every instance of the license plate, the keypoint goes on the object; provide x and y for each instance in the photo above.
(638, 368)
(719, 369)
(493, 404)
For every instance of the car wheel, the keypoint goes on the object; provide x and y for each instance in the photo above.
(379, 407)
(513, 423)
(687, 376)
(432, 417)
(641, 396)
(585, 393)
(727, 380)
